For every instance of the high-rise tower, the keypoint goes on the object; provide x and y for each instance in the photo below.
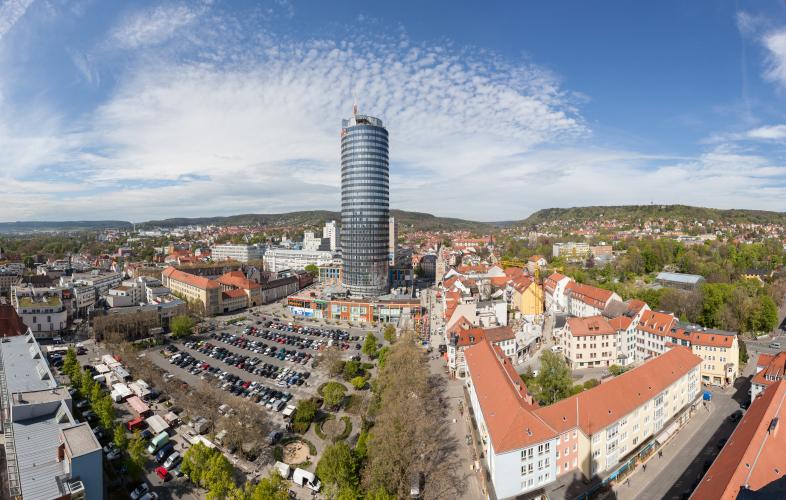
(365, 207)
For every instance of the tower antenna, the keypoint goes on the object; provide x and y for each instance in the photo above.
(354, 103)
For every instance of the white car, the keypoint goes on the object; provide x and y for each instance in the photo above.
(150, 495)
(172, 460)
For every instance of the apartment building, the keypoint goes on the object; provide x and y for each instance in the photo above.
(48, 454)
(719, 351)
(526, 296)
(463, 333)
(589, 342)
(587, 300)
(770, 368)
(236, 282)
(102, 281)
(527, 447)
(752, 461)
(554, 292)
(623, 415)
(571, 251)
(281, 259)
(519, 448)
(240, 253)
(193, 288)
(41, 309)
(8, 278)
(652, 333)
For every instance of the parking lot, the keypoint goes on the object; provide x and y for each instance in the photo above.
(270, 364)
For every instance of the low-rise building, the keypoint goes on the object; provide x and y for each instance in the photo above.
(240, 253)
(587, 300)
(41, 309)
(571, 251)
(679, 280)
(102, 281)
(554, 292)
(589, 342)
(526, 296)
(8, 279)
(752, 461)
(193, 288)
(281, 259)
(770, 368)
(48, 454)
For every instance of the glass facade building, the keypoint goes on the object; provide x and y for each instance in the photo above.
(365, 208)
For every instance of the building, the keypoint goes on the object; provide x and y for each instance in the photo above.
(392, 240)
(41, 309)
(554, 288)
(332, 233)
(527, 447)
(102, 281)
(282, 259)
(571, 251)
(310, 242)
(587, 300)
(48, 454)
(653, 333)
(11, 324)
(365, 208)
(535, 263)
(428, 267)
(770, 368)
(519, 447)
(8, 278)
(240, 253)
(589, 342)
(679, 280)
(752, 462)
(384, 309)
(719, 350)
(602, 427)
(194, 289)
(463, 333)
(526, 296)
(236, 283)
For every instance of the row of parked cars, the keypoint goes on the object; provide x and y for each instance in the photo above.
(285, 377)
(272, 399)
(258, 347)
(330, 336)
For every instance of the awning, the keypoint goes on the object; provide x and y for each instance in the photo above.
(667, 432)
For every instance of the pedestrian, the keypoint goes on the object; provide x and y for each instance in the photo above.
(644, 467)
(627, 482)
(660, 453)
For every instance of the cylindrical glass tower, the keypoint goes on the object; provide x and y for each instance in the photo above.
(365, 207)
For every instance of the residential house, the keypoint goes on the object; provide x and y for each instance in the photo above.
(589, 342)
(770, 368)
(587, 300)
(554, 292)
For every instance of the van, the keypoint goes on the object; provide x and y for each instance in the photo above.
(414, 487)
(160, 440)
(136, 423)
(302, 477)
(775, 345)
(556, 348)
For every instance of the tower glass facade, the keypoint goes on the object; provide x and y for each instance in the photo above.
(365, 207)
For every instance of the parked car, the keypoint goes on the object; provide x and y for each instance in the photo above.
(172, 460)
(162, 473)
(112, 452)
(140, 491)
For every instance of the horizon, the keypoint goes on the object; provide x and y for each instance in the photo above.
(235, 108)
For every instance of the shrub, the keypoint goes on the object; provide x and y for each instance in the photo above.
(358, 383)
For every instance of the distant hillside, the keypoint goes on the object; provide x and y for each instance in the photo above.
(61, 226)
(633, 213)
(410, 220)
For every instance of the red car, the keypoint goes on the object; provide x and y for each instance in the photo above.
(162, 473)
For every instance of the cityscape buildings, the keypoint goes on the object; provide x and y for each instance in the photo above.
(365, 208)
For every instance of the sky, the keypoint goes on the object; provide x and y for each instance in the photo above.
(147, 110)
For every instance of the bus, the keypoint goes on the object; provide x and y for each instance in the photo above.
(157, 442)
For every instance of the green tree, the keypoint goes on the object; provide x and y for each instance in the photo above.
(743, 355)
(218, 476)
(195, 463)
(379, 494)
(269, 488)
(119, 437)
(86, 384)
(71, 364)
(382, 356)
(312, 269)
(338, 467)
(553, 381)
(370, 345)
(334, 392)
(358, 383)
(181, 326)
(351, 369)
(616, 370)
(105, 411)
(136, 455)
(304, 414)
(390, 333)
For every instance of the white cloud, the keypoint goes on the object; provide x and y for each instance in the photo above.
(153, 26)
(10, 12)
(775, 42)
(772, 132)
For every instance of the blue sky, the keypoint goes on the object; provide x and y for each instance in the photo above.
(167, 109)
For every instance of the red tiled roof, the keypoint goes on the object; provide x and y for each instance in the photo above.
(237, 279)
(635, 305)
(234, 294)
(550, 283)
(594, 409)
(711, 339)
(594, 296)
(504, 401)
(659, 323)
(189, 279)
(522, 283)
(620, 322)
(500, 333)
(594, 325)
(764, 359)
(773, 371)
(11, 324)
(754, 455)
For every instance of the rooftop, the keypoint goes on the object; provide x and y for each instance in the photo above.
(691, 279)
(50, 300)
(80, 440)
(25, 367)
(753, 457)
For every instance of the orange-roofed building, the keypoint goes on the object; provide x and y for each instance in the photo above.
(653, 333)
(194, 288)
(587, 300)
(770, 368)
(526, 296)
(519, 447)
(237, 281)
(589, 342)
(752, 463)
(554, 288)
